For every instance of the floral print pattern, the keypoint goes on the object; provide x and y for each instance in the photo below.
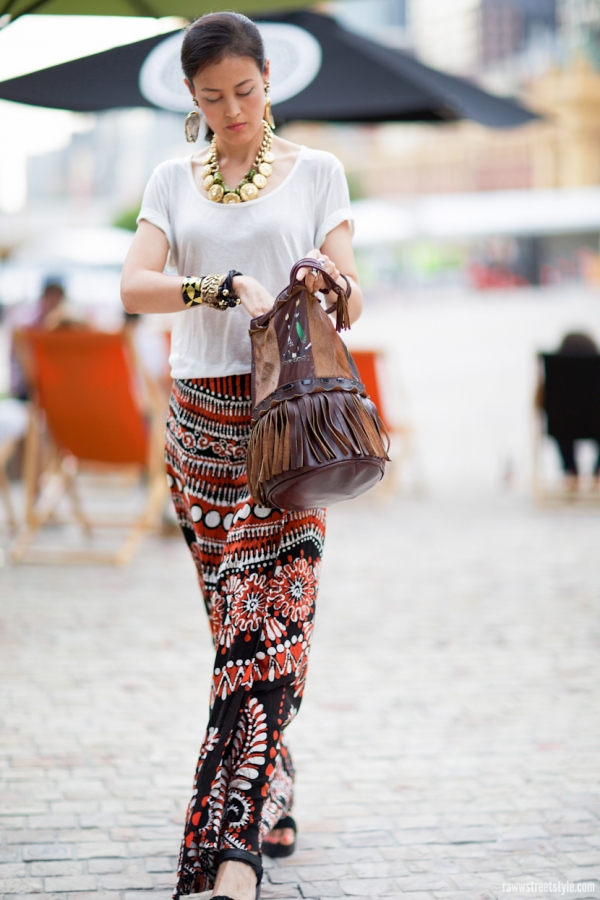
(258, 572)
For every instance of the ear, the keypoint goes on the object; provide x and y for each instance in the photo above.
(267, 71)
(189, 86)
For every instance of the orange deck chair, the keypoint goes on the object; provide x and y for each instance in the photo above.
(87, 391)
(370, 364)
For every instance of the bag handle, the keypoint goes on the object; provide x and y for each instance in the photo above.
(342, 319)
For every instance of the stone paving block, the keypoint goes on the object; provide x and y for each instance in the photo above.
(434, 866)
(105, 866)
(52, 821)
(154, 848)
(30, 837)
(20, 885)
(368, 839)
(148, 895)
(380, 870)
(581, 873)
(93, 850)
(494, 880)
(123, 834)
(48, 852)
(165, 880)
(314, 857)
(12, 822)
(161, 864)
(97, 819)
(36, 896)
(420, 836)
(123, 882)
(69, 883)
(424, 882)
(465, 895)
(90, 895)
(317, 841)
(12, 870)
(78, 835)
(68, 867)
(321, 889)
(323, 873)
(370, 887)
(475, 834)
(591, 858)
(282, 876)
(280, 892)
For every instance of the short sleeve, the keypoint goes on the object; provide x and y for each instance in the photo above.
(155, 202)
(333, 206)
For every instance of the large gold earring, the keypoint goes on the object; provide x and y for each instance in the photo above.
(192, 125)
(268, 112)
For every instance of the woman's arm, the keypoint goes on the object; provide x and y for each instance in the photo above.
(337, 257)
(146, 289)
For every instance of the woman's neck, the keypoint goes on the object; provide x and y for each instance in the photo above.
(239, 155)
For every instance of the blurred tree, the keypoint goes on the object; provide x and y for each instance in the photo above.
(127, 219)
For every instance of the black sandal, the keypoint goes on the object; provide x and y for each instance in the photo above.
(279, 850)
(251, 859)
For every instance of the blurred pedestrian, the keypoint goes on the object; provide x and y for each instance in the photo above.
(578, 344)
(258, 568)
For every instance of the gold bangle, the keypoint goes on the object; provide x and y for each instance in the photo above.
(191, 289)
(209, 290)
(203, 291)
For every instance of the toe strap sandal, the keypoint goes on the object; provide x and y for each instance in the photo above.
(251, 859)
(279, 850)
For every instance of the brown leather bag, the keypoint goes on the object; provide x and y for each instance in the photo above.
(316, 436)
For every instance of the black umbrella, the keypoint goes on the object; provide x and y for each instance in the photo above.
(320, 72)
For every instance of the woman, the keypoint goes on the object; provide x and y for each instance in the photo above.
(258, 568)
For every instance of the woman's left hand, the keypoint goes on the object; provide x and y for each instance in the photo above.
(316, 282)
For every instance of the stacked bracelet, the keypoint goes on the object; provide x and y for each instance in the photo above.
(215, 291)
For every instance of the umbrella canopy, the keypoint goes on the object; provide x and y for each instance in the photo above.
(187, 9)
(320, 72)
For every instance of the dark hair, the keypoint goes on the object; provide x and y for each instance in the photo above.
(215, 36)
(576, 343)
(52, 285)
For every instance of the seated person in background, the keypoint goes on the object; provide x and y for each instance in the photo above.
(575, 344)
(42, 314)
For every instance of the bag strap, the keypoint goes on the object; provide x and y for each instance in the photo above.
(340, 307)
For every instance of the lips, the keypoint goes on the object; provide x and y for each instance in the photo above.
(236, 127)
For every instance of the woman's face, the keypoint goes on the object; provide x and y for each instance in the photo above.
(231, 97)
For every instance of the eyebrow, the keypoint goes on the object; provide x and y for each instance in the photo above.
(245, 81)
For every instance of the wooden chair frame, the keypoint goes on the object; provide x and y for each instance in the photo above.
(6, 451)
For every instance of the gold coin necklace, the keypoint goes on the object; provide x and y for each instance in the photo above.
(250, 184)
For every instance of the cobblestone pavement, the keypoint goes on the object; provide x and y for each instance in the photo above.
(449, 741)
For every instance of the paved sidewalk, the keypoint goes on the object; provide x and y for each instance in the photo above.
(449, 741)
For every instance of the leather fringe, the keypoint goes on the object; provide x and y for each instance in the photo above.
(342, 316)
(298, 432)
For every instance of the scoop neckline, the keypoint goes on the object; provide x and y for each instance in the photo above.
(246, 203)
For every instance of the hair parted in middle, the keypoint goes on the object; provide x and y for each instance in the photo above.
(213, 37)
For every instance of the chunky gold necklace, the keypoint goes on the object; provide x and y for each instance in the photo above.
(250, 184)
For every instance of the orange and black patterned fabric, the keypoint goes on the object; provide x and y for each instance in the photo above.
(258, 570)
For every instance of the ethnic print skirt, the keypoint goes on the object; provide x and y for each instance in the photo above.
(258, 570)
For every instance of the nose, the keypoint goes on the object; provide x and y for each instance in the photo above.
(232, 107)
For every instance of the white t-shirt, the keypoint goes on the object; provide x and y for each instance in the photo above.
(262, 238)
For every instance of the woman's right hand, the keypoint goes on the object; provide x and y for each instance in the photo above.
(255, 299)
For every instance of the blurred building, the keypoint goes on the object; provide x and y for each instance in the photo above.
(102, 172)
